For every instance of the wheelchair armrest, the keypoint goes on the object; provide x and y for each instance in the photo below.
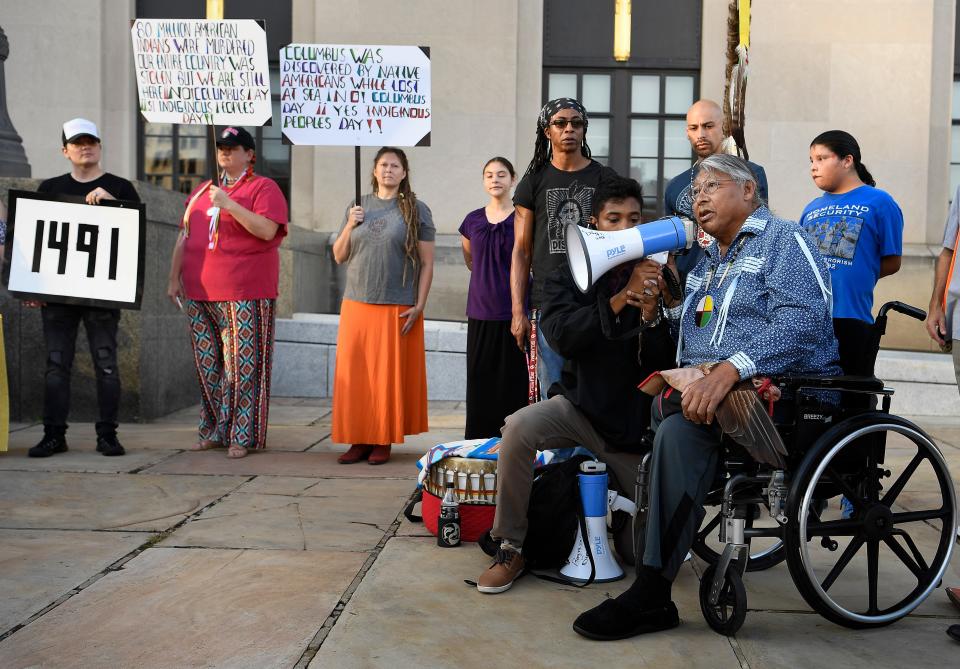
(861, 383)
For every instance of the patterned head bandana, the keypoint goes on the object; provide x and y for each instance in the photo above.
(554, 106)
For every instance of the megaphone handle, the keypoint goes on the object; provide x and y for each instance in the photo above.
(672, 282)
(581, 517)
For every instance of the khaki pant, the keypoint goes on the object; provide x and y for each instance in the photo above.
(551, 424)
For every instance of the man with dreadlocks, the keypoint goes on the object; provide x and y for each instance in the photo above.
(705, 132)
(557, 189)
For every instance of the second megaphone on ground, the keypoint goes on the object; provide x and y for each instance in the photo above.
(592, 253)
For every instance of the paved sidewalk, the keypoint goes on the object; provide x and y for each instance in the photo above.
(168, 558)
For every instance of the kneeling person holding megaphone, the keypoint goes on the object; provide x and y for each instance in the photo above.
(612, 336)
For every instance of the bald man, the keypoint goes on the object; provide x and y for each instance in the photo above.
(705, 132)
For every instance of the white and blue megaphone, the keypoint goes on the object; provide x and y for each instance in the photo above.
(591, 253)
(596, 500)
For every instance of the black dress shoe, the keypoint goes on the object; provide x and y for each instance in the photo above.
(954, 632)
(109, 446)
(613, 620)
(48, 446)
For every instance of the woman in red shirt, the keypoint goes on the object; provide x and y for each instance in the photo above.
(226, 265)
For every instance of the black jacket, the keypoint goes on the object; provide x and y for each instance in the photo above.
(601, 370)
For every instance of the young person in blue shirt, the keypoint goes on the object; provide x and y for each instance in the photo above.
(858, 229)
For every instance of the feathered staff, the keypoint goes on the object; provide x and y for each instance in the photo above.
(735, 93)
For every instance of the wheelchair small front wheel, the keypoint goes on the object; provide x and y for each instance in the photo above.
(875, 561)
(727, 615)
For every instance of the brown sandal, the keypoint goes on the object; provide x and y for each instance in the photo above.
(236, 451)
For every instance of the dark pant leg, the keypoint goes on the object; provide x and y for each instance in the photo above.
(857, 344)
(622, 476)
(101, 326)
(60, 323)
(683, 465)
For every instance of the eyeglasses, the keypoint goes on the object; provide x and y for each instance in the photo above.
(708, 187)
(561, 123)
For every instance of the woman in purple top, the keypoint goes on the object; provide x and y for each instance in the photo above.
(496, 368)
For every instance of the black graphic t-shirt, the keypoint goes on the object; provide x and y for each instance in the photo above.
(556, 198)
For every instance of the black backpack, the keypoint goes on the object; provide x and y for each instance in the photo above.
(553, 515)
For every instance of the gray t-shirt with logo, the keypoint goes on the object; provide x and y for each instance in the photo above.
(377, 258)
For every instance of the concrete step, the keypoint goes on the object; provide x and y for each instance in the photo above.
(306, 352)
(924, 383)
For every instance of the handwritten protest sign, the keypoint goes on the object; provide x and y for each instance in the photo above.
(63, 251)
(192, 71)
(349, 95)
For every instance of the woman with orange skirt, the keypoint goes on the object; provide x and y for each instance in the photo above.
(380, 381)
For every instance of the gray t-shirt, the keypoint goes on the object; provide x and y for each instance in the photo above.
(377, 258)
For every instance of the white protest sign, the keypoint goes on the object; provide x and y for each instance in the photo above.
(76, 253)
(192, 71)
(350, 95)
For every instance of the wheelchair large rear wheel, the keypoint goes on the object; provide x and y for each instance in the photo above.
(903, 515)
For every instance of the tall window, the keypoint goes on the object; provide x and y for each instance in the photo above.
(637, 121)
(659, 149)
(178, 156)
(174, 156)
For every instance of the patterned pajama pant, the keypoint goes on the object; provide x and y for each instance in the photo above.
(233, 351)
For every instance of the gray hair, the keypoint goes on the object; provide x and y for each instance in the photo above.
(734, 167)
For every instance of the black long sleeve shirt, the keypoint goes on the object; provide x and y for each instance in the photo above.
(606, 356)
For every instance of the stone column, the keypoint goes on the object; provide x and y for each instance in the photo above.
(13, 159)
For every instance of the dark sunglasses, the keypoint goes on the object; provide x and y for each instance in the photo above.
(561, 123)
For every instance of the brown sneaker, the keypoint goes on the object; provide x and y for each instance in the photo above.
(507, 567)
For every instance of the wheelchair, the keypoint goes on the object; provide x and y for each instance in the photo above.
(896, 485)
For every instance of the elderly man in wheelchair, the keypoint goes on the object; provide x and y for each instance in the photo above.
(755, 327)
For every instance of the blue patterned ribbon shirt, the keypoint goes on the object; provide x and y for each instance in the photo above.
(764, 307)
